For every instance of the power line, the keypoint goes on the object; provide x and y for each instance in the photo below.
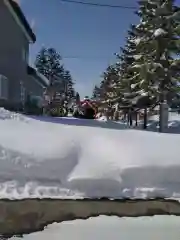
(98, 4)
(86, 57)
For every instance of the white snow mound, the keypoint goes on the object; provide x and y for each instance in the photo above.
(43, 159)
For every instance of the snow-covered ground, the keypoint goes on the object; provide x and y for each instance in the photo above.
(106, 228)
(85, 158)
(173, 124)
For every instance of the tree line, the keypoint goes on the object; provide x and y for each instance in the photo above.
(148, 65)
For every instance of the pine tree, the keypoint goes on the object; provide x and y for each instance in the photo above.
(48, 63)
(159, 44)
(127, 87)
(77, 97)
(107, 91)
(96, 93)
(68, 84)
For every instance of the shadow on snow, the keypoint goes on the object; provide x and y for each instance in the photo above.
(82, 122)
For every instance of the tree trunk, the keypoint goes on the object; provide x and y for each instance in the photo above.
(136, 116)
(145, 118)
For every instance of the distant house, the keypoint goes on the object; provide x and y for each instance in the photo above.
(17, 78)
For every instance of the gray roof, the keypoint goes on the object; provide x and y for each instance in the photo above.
(22, 19)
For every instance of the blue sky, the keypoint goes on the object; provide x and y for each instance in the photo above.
(86, 36)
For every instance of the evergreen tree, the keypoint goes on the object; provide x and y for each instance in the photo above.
(148, 64)
(96, 92)
(48, 63)
(68, 84)
(158, 46)
(127, 87)
(77, 97)
(107, 91)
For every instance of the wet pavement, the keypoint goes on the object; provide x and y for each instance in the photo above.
(27, 216)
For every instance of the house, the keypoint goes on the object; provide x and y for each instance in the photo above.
(37, 82)
(17, 78)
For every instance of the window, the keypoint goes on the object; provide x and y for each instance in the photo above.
(3, 87)
(25, 55)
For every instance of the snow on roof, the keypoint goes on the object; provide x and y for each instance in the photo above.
(45, 80)
(40, 77)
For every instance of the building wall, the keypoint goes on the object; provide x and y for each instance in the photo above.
(13, 45)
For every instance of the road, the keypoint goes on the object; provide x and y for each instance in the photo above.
(27, 216)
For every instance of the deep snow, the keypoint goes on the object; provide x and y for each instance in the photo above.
(94, 159)
(158, 227)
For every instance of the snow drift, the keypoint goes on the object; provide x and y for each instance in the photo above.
(43, 159)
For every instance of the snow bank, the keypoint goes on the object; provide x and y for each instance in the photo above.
(42, 159)
(158, 227)
(5, 114)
